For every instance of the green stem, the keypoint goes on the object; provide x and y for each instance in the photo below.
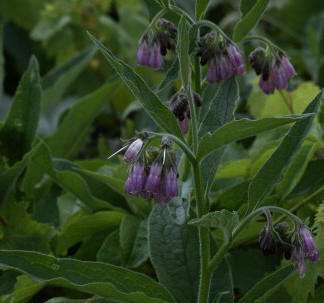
(204, 240)
(193, 120)
(217, 259)
(154, 19)
(287, 101)
(264, 40)
(197, 75)
(213, 26)
(179, 11)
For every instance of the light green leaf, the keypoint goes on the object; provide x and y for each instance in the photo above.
(201, 7)
(249, 20)
(183, 51)
(110, 250)
(108, 281)
(268, 285)
(240, 129)
(224, 220)
(57, 81)
(270, 174)
(2, 71)
(296, 170)
(149, 100)
(80, 226)
(20, 126)
(174, 250)
(66, 140)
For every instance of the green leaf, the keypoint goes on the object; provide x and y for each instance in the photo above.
(246, 6)
(2, 71)
(69, 180)
(219, 103)
(66, 140)
(183, 51)
(134, 241)
(249, 20)
(174, 250)
(136, 84)
(240, 129)
(25, 289)
(296, 170)
(224, 220)
(58, 80)
(74, 231)
(110, 250)
(201, 7)
(268, 285)
(270, 174)
(21, 123)
(108, 281)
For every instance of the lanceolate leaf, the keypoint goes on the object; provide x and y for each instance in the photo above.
(67, 140)
(1, 57)
(21, 123)
(201, 6)
(268, 285)
(174, 250)
(219, 109)
(56, 82)
(149, 100)
(240, 129)
(270, 174)
(249, 20)
(108, 281)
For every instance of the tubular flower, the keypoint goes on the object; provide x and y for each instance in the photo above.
(223, 57)
(136, 180)
(275, 69)
(155, 44)
(133, 150)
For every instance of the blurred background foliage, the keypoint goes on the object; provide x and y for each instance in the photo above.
(64, 198)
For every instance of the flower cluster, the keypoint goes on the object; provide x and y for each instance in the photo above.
(275, 69)
(222, 56)
(296, 246)
(179, 105)
(153, 174)
(154, 45)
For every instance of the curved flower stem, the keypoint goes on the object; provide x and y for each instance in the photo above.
(159, 15)
(217, 259)
(213, 26)
(266, 41)
(179, 11)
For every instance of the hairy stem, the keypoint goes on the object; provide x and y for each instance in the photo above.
(287, 100)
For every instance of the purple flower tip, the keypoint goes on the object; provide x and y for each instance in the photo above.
(153, 181)
(143, 53)
(133, 150)
(136, 180)
(184, 125)
(171, 184)
(310, 249)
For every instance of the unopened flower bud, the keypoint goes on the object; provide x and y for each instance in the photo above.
(133, 150)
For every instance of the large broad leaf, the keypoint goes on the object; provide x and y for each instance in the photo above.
(57, 81)
(249, 20)
(219, 103)
(134, 241)
(66, 140)
(174, 250)
(240, 129)
(69, 180)
(21, 123)
(265, 287)
(80, 226)
(108, 281)
(136, 84)
(270, 174)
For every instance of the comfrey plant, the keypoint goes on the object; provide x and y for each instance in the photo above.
(194, 131)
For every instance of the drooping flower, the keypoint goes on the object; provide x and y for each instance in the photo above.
(133, 150)
(267, 241)
(179, 105)
(298, 257)
(153, 182)
(156, 43)
(275, 69)
(136, 180)
(223, 57)
(310, 249)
